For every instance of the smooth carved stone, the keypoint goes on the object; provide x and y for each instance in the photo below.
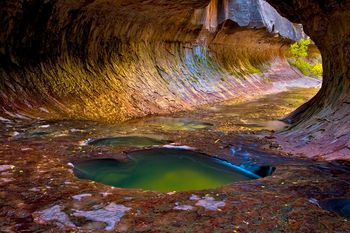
(110, 214)
(210, 203)
(121, 89)
(53, 214)
(251, 14)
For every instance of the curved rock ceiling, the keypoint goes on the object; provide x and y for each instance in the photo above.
(114, 60)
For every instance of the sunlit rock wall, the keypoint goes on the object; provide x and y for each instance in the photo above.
(114, 60)
(247, 13)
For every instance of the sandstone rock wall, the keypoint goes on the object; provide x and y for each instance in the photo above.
(322, 126)
(247, 13)
(115, 60)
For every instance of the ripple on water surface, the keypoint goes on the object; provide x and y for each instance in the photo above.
(163, 170)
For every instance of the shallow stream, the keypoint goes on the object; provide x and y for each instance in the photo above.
(214, 155)
(181, 138)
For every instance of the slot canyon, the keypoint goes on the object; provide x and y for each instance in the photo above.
(174, 116)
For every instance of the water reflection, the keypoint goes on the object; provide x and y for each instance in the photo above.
(165, 170)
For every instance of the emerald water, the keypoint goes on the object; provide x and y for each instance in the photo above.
(160, 169)
(163, 170)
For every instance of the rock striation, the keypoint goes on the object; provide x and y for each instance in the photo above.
(248, 13)
(115, 60)
(322, 126)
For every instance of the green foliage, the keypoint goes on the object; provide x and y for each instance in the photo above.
(303, 66)
(300, 49)
(299, 58)
(317, 69)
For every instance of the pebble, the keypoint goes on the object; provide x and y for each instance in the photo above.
(34, 189)
(105, 194)
(6, 167)
(6, 180)
(26, 149)
(194, 197)
(183, 207)
(44, 126)
(81, 196)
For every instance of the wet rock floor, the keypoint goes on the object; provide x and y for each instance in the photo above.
(39, 192)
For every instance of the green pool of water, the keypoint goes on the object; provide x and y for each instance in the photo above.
(135, 141)
(162, 170)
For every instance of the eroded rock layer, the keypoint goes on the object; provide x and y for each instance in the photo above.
(115, 60)
(322, 126)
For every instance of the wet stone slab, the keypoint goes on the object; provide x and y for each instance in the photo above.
(210, 203)
(53, 215)
(110, 214)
